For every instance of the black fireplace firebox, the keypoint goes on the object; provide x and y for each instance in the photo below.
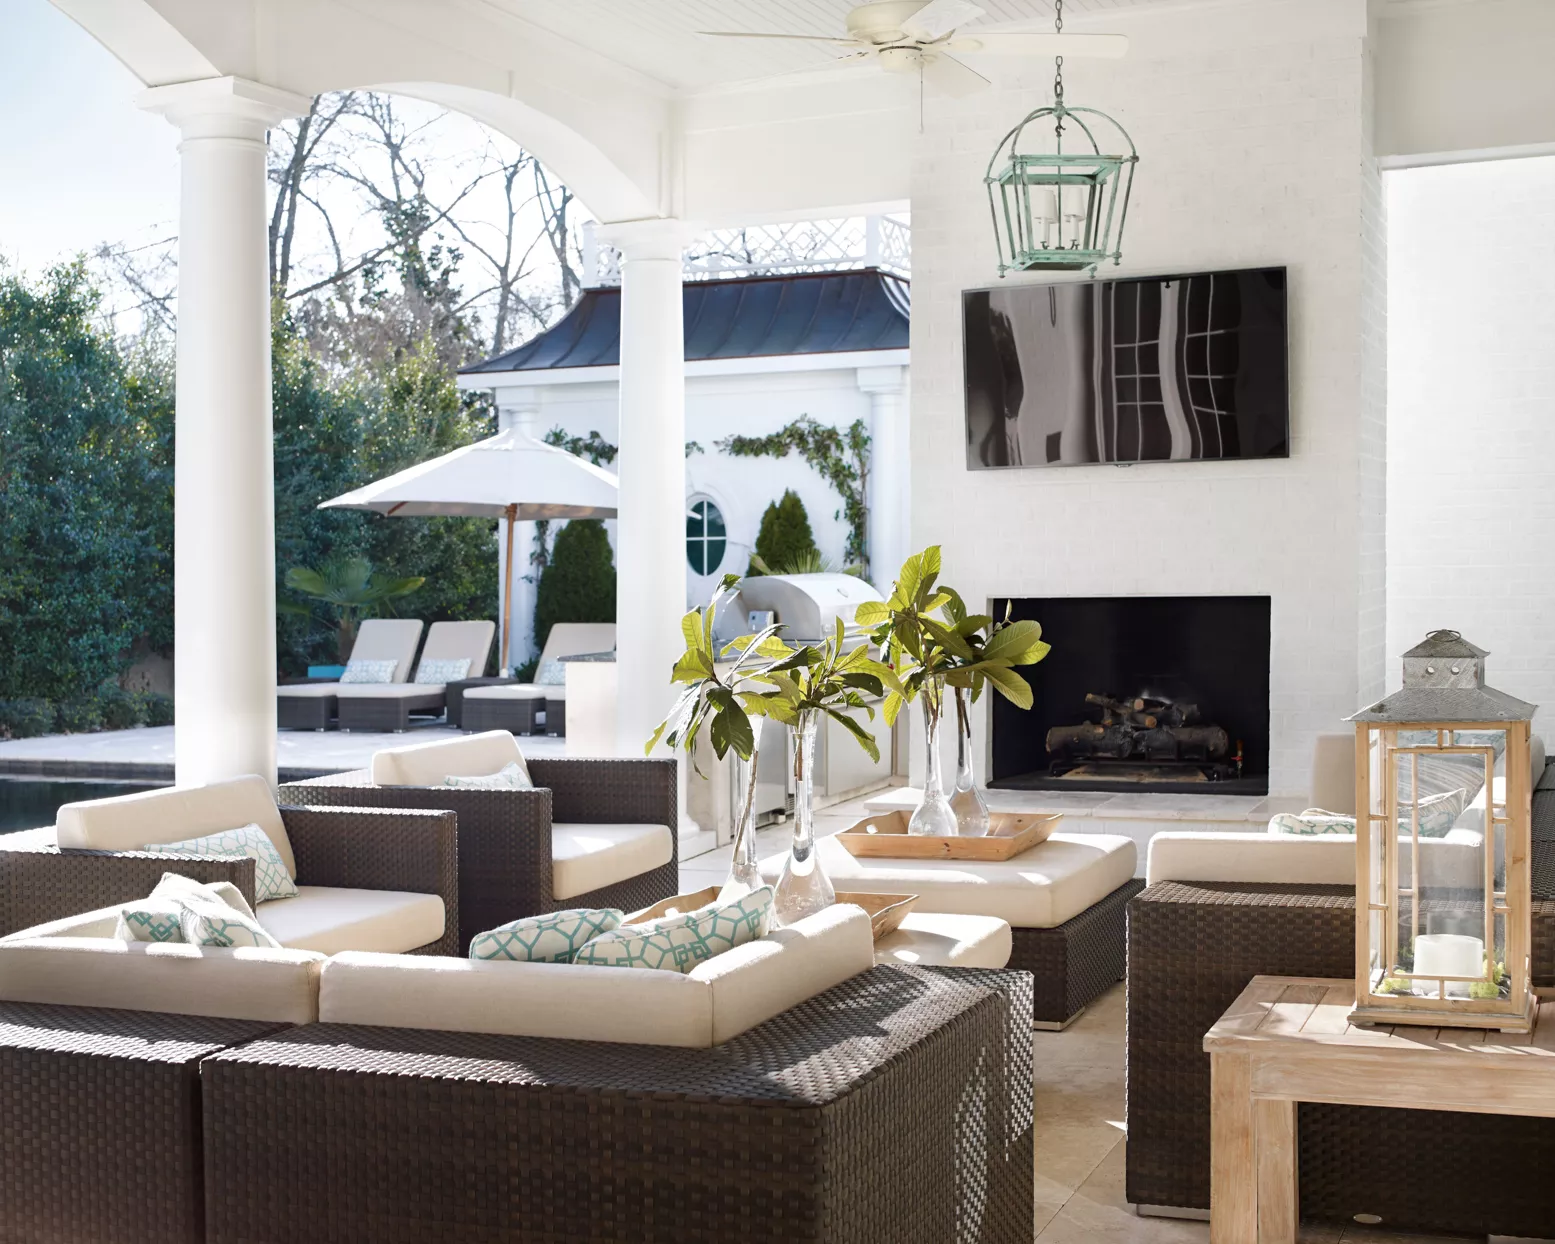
(1141, 693)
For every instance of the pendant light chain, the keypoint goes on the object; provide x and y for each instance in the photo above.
(1058, 68)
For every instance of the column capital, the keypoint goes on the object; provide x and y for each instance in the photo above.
(223, 107)
(655, 237)
(890, 379)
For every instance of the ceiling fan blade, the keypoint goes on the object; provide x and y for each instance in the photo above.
(991, 41)
(939, 17)
(945, 75)
(753, 34)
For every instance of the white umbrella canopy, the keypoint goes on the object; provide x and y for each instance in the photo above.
(510, 475)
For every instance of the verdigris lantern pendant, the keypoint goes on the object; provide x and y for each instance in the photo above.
(1443, 798)
(1058, 196)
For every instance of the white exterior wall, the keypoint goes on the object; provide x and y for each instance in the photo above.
(1471, 441)
(1249, 124)
(749, 404)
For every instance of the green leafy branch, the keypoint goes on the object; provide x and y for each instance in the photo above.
(351, 588)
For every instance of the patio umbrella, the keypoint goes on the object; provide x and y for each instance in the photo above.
(510, 475)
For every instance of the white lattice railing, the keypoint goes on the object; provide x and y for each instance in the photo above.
(765, 250)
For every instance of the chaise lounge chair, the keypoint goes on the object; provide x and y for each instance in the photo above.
(311, 705)
(515, 706)
(453, 651)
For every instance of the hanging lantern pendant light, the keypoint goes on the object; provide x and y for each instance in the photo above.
(1059, 210)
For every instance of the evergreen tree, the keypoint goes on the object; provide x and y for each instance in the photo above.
(785, 538)
(578, 584)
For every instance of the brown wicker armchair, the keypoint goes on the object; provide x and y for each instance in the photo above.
(895, 1108)
(505, 862)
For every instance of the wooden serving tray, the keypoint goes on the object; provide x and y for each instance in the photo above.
(886, 911)
(1009, 833)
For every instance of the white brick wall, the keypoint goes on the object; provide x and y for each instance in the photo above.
(1471, 438)
(1253, 152)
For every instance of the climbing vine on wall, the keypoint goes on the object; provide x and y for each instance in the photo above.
(840, 455)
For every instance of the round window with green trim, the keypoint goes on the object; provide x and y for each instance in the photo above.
(706, 537)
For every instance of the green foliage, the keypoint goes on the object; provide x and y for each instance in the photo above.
(159, 710)
(349, 589)
(841, 458)
(85, 490)
(956, 649)
(784, 540)
(26, 718)
(593, 447)
(579, 582)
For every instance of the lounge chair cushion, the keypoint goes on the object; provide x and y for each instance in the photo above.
(129, 822)
(587, 857)
(417, 693)
(1323, 859)
(328, 919)
(271, 878)
(379, 639)
(429, 764)
(718, 1000)
(309, 691)
(939, 939)
(244, 983)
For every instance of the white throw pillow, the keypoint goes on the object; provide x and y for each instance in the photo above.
(679, 943)
(554, 937)
(437, 673)
(1312, 822)
(552, 673)
(271, 880)
(512, 776)
(156, 918)
(360, 669)
(210, 922)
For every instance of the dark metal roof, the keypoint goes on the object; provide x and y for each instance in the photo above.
(746, 317)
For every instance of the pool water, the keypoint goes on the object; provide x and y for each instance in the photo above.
(28, 803)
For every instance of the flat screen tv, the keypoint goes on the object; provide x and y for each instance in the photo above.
(1147, 369)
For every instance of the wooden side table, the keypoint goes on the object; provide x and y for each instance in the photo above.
(1289, 1039)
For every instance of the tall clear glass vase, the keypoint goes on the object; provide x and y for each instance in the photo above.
(804, 888)
(745, 870)
(934, 815)
(967, 802)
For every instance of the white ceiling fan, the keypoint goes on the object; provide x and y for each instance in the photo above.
(919, 36)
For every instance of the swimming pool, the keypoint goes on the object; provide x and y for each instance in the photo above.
(27, 803)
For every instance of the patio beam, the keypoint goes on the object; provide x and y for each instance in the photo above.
(223, 504)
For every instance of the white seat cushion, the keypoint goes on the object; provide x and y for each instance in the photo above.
(388, 691)
(173, 814)
(717, 1000)
(245, 983)
(557, 691)
(514, 691)
(1322, 859)
(1039, 889)
(938, 939)
(309, 691)
(427, 764)
(590, 857)
(103, 922)
(330, 920)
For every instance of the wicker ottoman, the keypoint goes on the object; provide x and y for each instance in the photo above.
(1066, 901)
(556, 710)
(513, 708)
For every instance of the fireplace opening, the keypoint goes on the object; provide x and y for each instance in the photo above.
(1141, 693)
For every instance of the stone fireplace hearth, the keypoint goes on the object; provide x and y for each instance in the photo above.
(1151, 694)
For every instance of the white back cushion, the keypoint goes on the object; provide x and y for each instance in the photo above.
(427, 764)
(247, 983)
(562, 1000)
(129, 822)
(450, 641)
(760, 979)
(388, 639)
(568, 639)
(1455, 860)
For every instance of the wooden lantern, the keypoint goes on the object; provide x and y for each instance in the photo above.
(1443, 799)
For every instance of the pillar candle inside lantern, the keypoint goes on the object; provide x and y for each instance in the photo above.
(1449, 954)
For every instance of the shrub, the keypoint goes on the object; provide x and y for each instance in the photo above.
(26, 718)
(121, 709)
(579, 582)
(80, 714)
(785, 538)
(159, 710)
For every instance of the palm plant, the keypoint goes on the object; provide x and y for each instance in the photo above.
(349, 589)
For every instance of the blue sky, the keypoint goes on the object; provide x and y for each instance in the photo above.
(79, 163)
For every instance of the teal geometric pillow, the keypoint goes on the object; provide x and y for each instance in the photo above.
(552, 938)
(552, 673)
(679, 943)
(360, 669)
(157, 918)
(436, 673)
(512, 776)
(209, 922)
(271, 880)
(1313, 822)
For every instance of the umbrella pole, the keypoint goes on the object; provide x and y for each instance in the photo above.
(507, 607)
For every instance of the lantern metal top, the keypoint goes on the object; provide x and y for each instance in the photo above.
(1444, 681)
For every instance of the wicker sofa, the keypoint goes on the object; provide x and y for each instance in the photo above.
(370, 879)
(1195, 942)
(522, 852)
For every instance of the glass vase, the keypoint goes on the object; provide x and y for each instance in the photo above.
(967, 801)
(934, 815)
(804, 888)
(745, 869)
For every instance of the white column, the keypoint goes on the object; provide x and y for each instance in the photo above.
(888, 521)
(223, 507)
(519, 409)
(651, 527)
